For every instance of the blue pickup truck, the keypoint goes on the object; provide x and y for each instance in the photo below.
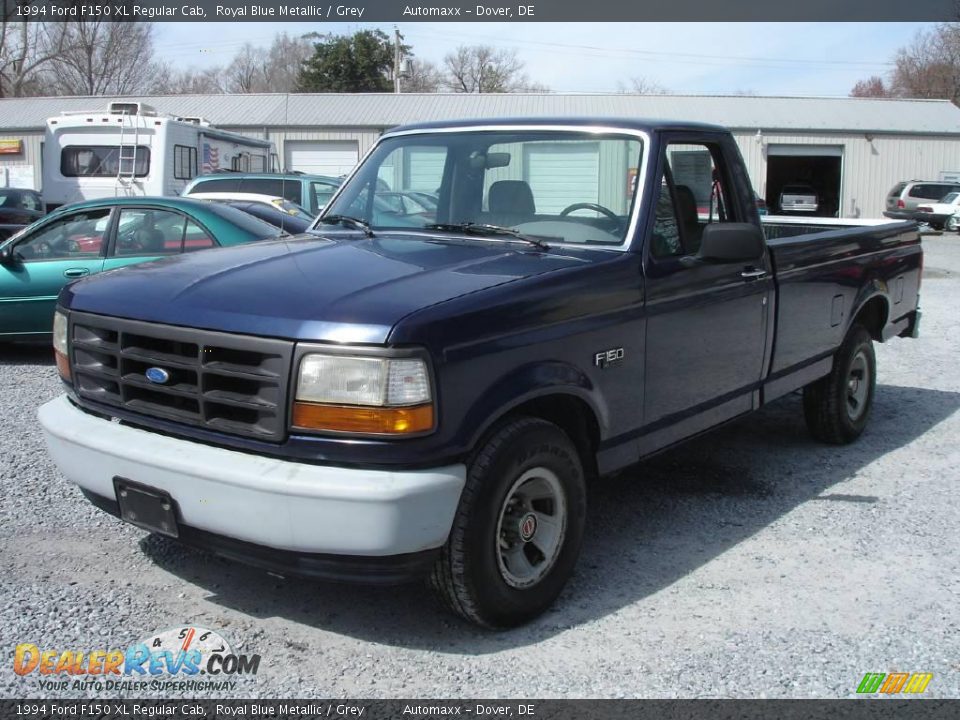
(396, 396)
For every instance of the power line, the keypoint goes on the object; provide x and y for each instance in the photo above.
(682, 58)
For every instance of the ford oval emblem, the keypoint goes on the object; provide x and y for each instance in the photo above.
(158, 376)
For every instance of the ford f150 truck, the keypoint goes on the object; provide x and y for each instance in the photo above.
(395, 396)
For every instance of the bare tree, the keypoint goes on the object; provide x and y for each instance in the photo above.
(274, 69)
(103, 58)
(484, 69)
(192, 81)
(642, 86)
(422, 76)
(872, 87)
(929, 67)
(25, 50)
(247, 73)
(285, 58)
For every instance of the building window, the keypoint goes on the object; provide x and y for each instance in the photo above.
(184, 162)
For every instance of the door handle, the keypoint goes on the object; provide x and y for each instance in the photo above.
(76, 272)
(753, 274)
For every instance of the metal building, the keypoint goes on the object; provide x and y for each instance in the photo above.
(852, 150)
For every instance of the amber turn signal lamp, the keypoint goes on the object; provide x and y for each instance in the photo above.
(63, 365)
(372, 420)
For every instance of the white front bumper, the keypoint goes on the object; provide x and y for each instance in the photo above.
(263, 500)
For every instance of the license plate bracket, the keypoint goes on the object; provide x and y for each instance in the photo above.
(146, 507)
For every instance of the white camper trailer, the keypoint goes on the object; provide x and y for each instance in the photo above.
(132, 150)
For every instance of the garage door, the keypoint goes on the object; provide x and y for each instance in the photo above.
(561, 174)
(424, 168)
(321, 157)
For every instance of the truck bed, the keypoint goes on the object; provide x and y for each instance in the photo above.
(825, 268)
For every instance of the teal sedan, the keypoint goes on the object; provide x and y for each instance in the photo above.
(97, 235)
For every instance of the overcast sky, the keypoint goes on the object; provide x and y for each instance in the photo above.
(695, 58)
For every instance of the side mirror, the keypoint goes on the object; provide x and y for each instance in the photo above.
(732, 242)
(7, 255)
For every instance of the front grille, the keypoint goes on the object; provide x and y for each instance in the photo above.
(232, 383)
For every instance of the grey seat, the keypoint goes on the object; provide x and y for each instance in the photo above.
(510, 202)
(688, 217)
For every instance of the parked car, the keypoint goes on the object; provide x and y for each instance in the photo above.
(291, 224)
(905, 197)
(953, 222)
(18, 208)
(406, 203)
(937, 214)
(96, 235)
(430, 200)
(310, 192)
(798, 199)
(408, 398)
(278, 203)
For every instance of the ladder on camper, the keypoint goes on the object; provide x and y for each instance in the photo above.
(127, 165)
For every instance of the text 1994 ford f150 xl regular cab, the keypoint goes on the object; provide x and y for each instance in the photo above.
(394, 396)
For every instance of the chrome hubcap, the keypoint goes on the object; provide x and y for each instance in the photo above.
(531, 527)
(858, 386)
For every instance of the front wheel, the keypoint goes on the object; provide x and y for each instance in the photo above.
(953, 224)
(837, 407)
(518, 529)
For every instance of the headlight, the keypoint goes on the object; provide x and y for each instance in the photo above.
(60, 349)
(345, 393)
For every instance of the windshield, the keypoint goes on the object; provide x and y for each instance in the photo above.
(950, 198)
(559, 186)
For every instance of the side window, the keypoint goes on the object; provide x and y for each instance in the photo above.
(268, 186)
(293, 191)
(692, 195)
(919, 191)
(196, 238)
(218, 185)
(666, 241)
(184, 162)
(29, 201)
(321, 193)
(144, 231)
(78, 235)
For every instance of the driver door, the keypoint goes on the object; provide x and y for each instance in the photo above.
(706, 320)
(43, 260)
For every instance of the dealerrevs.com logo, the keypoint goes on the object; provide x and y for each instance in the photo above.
(169, 660)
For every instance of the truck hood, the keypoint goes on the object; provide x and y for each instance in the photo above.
(330, 288)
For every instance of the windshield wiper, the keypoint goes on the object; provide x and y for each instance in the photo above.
(483, 229)
(350, 222)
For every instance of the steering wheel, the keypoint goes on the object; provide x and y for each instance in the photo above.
(590, 206)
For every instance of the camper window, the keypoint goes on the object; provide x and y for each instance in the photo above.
(184, 162)
(103, 161)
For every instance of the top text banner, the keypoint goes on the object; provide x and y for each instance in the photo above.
(320, 11)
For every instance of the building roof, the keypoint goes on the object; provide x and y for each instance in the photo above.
(379, 110)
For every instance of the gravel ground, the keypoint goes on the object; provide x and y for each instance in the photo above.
(753, 562)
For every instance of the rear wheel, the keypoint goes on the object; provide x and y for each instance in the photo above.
(953, 224)
(837, 407)
(518, 529)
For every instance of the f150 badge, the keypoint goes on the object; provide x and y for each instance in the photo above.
(605, 358)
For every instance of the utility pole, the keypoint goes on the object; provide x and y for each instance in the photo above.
(396, 59)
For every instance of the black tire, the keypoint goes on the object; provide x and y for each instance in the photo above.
(471, 577)
(830, 405)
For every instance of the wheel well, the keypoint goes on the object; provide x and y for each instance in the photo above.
(575, 417)
(873, 316)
